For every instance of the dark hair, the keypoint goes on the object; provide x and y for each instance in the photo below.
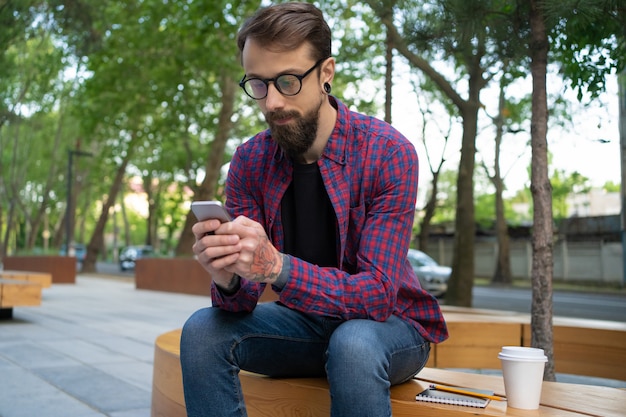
(286, 27)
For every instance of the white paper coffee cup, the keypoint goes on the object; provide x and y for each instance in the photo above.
(522, 370)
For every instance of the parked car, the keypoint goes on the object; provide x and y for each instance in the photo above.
(433, 277)
(130, 254)
(80, 252)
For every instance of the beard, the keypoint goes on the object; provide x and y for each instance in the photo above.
(298, 136)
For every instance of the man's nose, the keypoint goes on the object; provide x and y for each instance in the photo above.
(274, 99)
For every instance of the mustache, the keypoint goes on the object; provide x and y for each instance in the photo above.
(279, 115)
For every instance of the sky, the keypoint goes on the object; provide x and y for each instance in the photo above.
(590, 144)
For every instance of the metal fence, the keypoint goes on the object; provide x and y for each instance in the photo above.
(593, 261)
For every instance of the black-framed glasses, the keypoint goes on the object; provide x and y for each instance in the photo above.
(286, 84)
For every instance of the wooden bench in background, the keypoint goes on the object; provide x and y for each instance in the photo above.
(61, 268)
(17, 293)
(180, 275)
(272, 397)
(476, 337)
(21, 289)
(581, 347)
(587, 347)
(42, 278)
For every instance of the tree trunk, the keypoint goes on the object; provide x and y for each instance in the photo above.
(388, 77)
(542, 263)
(462, 278)
(502, 273)
(94, 248)
(152, 195)
(214, 163)
(429, 213)
(125, 223)
(621, 96)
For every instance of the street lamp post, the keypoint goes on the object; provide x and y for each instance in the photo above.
(621, 91)
(69, 208)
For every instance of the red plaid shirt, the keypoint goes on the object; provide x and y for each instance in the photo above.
(370, 172)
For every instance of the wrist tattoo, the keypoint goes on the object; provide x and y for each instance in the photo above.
(265, 263)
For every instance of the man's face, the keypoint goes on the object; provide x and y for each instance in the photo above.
(293, 120)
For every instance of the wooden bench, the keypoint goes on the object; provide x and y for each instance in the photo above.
(14, 293)
(271, 397)
(62, 268)
(587, 347)
(581, 347)
(42, 278)
(476, 337)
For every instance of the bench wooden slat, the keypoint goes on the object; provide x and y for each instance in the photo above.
(42, 278)
(586, 350)
(15, 293)
(476, 342)
(581, 347)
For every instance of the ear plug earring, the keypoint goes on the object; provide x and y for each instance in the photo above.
(327, 88)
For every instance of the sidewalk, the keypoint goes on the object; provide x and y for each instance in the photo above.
(87, 351)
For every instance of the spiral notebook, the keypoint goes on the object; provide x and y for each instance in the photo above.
(442, 397)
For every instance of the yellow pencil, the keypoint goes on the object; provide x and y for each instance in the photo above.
(464, 392)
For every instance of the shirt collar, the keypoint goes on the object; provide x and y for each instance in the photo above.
(336, 147)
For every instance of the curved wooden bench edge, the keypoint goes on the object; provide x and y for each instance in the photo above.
(272, 397)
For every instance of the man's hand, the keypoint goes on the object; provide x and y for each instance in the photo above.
(237, 248)
(258, 259)
(215, 250)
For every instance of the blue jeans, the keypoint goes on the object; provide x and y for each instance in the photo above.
(360, 358)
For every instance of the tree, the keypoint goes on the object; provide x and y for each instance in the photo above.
(427, 99)
(502, 272)
(507, 121)
(580, 28)
(471, 37)
(542, 262)
(163, 68)
(214, 160)
(33, 101)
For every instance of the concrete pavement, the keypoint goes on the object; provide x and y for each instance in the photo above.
(87, 351)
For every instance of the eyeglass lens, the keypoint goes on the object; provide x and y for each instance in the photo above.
(286, 84)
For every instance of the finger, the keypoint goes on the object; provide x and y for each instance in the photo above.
(224, 262)
(203, 228)
(215, 246)
(242, 226)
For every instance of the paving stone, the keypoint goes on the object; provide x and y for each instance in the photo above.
(24, 394)
(99, 389)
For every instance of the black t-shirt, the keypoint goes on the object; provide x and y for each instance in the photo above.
(309, 219)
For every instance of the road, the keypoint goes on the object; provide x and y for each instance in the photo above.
(587, 305)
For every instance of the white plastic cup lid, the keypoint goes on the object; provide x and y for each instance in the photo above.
(522, 353)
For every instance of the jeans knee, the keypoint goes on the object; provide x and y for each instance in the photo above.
(354, 348)
(200, 330)
(194, 324)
